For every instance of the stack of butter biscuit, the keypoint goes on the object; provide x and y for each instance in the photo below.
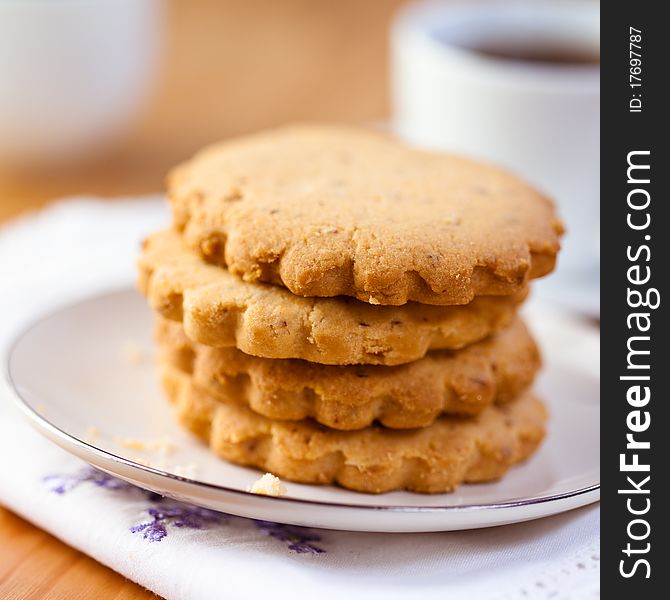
(335, 307)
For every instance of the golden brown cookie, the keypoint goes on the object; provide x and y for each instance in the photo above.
(333, 210)
(412, 395)
(438, 458)
(219, 309)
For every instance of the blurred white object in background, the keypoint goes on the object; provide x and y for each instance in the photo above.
(516, 83)
(73, 73)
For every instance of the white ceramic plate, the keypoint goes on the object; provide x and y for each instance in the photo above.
(84, 377)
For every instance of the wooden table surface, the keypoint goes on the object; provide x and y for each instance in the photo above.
(229, 67)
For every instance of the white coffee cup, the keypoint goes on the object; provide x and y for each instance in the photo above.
(539, 119)
(72, 73)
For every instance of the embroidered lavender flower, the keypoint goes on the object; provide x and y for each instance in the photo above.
(182, 515)
(298, 538)
(63, 483)
(166, 513)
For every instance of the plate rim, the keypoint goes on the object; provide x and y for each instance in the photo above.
(40, 422)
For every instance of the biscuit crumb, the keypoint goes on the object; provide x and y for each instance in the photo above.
(133, 444)
(373, 300)
(132, 353)
(162, 446)
(92, 432)
(268, 485)
(40, 408)
(188, 470)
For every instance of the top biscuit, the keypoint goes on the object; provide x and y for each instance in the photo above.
(327, 210)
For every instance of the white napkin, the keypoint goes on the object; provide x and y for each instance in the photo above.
(181, 552)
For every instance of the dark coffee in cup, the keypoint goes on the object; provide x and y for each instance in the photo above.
(538, 53)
